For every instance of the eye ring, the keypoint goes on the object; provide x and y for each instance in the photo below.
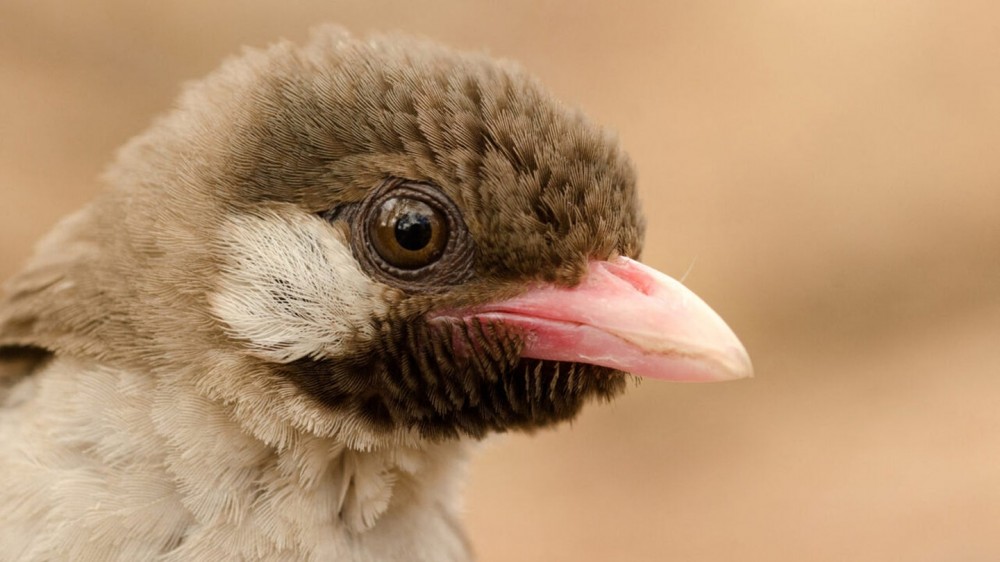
(408, 233)
(447, 259)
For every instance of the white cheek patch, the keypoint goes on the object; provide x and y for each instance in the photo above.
(291, 288)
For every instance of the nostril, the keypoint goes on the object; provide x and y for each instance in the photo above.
(628, 271)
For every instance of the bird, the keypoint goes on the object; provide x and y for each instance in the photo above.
(306, 291)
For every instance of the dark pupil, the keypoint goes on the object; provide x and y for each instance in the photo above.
(413, 231)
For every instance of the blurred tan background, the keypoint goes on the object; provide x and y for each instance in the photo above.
(828, 175)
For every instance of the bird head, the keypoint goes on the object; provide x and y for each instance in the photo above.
(381, 239)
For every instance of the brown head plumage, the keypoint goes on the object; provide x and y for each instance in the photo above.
(302, 285)
(239, 245)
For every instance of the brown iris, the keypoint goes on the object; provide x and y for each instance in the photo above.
(408, 233)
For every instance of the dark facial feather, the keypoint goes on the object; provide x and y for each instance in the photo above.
(412, 376)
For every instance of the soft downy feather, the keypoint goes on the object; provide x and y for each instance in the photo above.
(130, 468)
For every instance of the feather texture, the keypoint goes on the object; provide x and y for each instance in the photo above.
(131, 468)
(198, 367)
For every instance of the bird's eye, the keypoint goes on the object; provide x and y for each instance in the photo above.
(408, 233)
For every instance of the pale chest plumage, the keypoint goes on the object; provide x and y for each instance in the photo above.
(102, 464)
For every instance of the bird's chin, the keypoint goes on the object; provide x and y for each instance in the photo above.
(549, 392)
(454, 400)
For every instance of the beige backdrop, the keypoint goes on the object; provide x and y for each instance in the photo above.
(828, 175)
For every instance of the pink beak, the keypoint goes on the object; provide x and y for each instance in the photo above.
(626, 316)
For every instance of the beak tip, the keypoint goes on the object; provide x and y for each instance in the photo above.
(743, 366)
(734, 363)
(722, 364)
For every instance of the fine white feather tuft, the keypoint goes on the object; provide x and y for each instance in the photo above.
(290, 286)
